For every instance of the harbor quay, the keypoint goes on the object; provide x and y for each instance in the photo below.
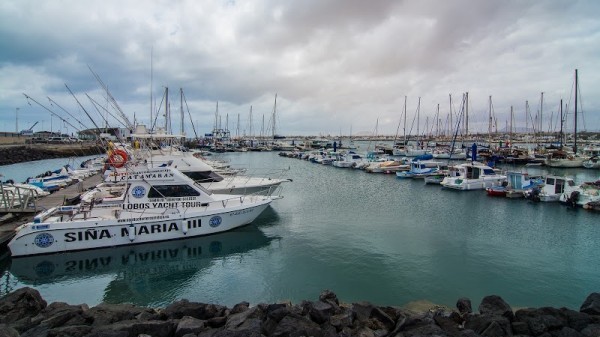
(24, 312)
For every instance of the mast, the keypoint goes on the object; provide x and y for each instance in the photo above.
(181, 98)
(541, 113)
(274, 111)
(451, 127)
(490, 123)
(527, 116)
(575, 130)
(167, 117)
(437, 123)
(418, 116)
(560, 135)
(250, 132)
(404, 120)
(467, 114)
(511, 124)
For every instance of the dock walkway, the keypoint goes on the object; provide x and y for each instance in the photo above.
(55, 199)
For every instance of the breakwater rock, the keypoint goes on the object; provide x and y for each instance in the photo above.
(18, 154)
(25, 313)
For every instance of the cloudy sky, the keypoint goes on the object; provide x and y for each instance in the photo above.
(335, 65)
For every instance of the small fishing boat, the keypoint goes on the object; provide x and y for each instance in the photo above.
(593, 162)
(519, 182)
(496, 191)
(421, 169)
(581, 195)
(436, 178)
(551, 189)
(154, 204)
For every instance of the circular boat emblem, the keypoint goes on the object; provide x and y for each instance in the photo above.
(44, 240)
(215, 221)
(138, 191)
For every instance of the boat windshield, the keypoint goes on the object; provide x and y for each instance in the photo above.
(203, 176)
(169, 191)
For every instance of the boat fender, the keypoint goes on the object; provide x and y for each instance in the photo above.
(184, 228)
(131, 232)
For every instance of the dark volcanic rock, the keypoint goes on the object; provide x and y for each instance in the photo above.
(495, 305)
(464, 305)
(22, 303)
(591, 305)
(322, 318)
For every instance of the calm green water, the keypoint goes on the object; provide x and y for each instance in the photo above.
(365, 236)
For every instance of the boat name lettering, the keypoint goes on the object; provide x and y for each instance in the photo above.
(147, 176)
(39, 227)
(144, 218)
(151, 229)
(90, 234)
(241, 212)
(143, 205)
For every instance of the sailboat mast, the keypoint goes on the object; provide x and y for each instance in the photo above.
(575, 130)
(511, 124)
(490, 123)
(274, 116)
(167, 117)
(181, 108)
(418, 116)
(467, 114)
(560, 135)
(541, 113)
(451, 126)
(404, 120)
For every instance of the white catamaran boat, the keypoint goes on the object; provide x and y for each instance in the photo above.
(155, 204)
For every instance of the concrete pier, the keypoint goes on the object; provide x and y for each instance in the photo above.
(55, 199)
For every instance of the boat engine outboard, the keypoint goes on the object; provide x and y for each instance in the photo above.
(573, 198)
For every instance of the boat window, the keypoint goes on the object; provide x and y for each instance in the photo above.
(167, 191)
(559, 187)
(489, 171)
(550, 181)
(203, 176)
(571, 183)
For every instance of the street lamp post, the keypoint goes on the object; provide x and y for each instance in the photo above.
(17, 121)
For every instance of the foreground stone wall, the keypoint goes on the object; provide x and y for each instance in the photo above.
(25, 313)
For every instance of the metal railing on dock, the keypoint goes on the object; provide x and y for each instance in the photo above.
(16, 216)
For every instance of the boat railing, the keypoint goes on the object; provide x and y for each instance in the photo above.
(17, 198)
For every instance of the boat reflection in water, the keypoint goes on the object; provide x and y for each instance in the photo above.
(143, 274)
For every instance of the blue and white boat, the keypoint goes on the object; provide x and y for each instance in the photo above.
(421, 169)
(519, 182)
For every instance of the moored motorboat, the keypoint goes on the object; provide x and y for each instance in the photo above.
(551, 189)
(472, 176)
(156, 204)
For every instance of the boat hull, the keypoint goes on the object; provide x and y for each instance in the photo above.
(471, 184)
(54, 237)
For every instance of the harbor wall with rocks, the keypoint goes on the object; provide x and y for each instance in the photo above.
(24, 153)
(24, 313)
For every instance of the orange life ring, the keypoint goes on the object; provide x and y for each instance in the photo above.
(118, 158)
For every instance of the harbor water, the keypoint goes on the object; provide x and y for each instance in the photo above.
(367, 237)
